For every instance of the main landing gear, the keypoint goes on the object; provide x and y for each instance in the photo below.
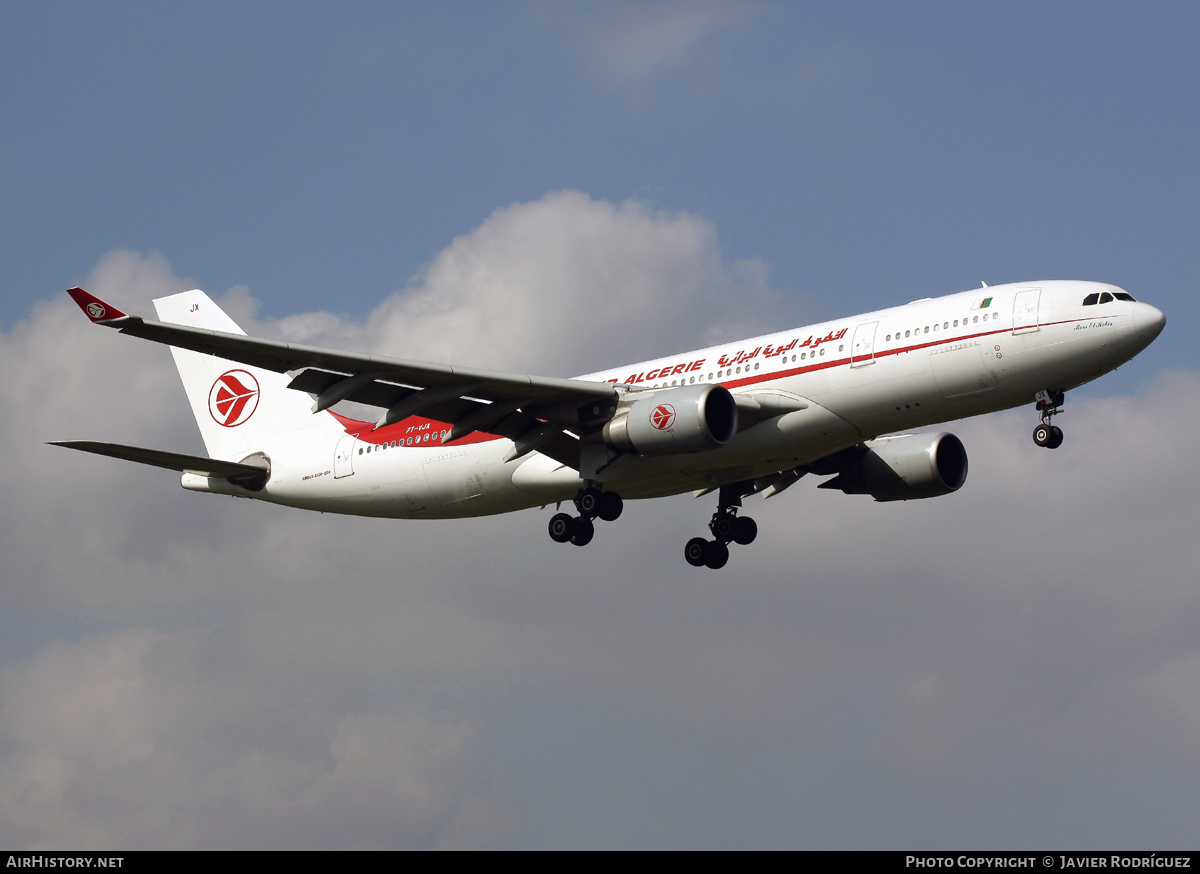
(726, 526)
(1049, 403)
(590, 502)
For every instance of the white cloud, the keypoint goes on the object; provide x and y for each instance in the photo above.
(640, 50)
(561, 286)
(1178, 681)
(139, 738)
(637, 42)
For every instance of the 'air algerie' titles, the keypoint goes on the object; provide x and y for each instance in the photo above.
(739, 357)
(664, 372)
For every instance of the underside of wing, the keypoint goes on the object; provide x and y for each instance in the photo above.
(524, 420)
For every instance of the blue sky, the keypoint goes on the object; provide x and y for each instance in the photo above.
(323, 155)
(560, 187)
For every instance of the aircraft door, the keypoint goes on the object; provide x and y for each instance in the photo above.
(862, 347)
(343, 457)
(1025, 311)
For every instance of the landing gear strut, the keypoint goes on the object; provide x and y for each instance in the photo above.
(726, 527)
(1049, 403)
(591, 502)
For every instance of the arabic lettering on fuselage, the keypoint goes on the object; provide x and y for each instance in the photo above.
(768, 351)
(739, 357)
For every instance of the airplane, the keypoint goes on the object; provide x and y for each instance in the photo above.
(835, 399)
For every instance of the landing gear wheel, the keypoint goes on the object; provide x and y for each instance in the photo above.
(588, 502)
(1056, 437)
(745, 530)
(722, 527)
(695, 550)
(584, 530)
(716, 554)
(1043, 434)
(726, 527)
(562, 527)
(611, 506)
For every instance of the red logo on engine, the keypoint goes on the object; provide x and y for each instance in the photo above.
(233, 398)
(663, 417)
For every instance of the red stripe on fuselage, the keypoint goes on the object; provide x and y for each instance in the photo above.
(836, 362)
(417, 427)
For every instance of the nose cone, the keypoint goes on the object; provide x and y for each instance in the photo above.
(1148, 323)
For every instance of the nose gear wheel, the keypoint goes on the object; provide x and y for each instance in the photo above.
(1049, 403)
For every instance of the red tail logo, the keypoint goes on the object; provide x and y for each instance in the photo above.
(663, 417)
(233, 398)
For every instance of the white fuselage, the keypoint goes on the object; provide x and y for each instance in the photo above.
(857, 378)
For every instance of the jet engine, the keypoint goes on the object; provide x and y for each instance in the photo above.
(905, 468)
(690, 418)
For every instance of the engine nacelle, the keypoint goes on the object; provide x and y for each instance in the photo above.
(690, 418)
(906, 468)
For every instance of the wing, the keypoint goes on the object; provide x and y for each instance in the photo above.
(536, 412)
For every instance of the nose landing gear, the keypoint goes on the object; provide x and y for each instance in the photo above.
(591, 503)
(726, 527)
(1049, 403)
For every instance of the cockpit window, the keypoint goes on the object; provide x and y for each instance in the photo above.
(1091, 299)
(1106, 298)
(1123, 295)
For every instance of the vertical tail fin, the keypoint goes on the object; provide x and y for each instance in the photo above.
(236, 406)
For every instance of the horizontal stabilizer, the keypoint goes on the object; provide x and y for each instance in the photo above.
(253, 471)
